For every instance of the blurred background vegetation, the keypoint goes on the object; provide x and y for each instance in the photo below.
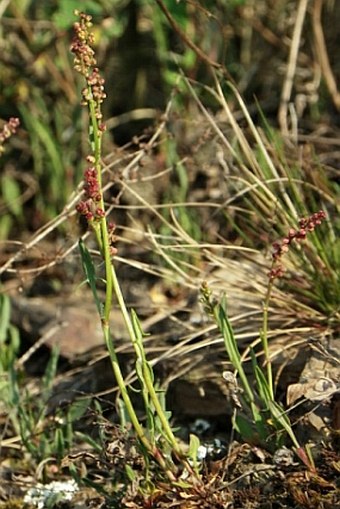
(140, 53)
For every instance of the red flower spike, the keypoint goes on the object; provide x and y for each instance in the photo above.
(306, 225)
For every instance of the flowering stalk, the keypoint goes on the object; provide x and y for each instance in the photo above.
(259, 407)
(306, 225)
(93, 209)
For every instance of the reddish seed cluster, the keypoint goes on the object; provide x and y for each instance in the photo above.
(8, 129)
(89, 207)
(89, 210)
(93, 96)
(85, 63)
(91, 185)
(306, 225)
(82, 43)
(95, 92)
(97, 85)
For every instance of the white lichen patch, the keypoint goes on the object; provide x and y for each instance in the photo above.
(47, 495)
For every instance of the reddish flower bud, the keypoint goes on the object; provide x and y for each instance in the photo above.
(100, 213)
(82, 208)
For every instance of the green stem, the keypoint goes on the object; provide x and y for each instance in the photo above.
(221, 318)
(128, 404)
(148, 381)
(102, 235)
(264, 340)
(113, 287)
(95, 137)
(139, 350)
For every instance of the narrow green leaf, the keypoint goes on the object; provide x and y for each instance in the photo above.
(90, 273)
(59, 443)
(11, 193)
(130, 473)
(278, 414)
(222, 320)
(261, 382)
(193, 449)
(50, 372)
(244, 427)
(93, 442)
(4, 317)
(6, 222)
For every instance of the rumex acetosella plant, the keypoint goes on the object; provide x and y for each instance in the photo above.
(156, 438)
(258, 417)
(277, 270)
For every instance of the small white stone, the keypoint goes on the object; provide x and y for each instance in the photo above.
(202, 452)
